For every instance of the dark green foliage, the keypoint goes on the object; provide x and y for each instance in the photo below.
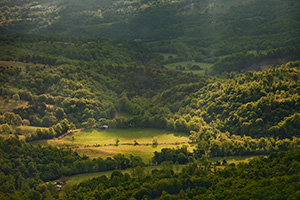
(180, 155)
(253, 60)
(274, 177)
(54, 50)
(55, 131)
(24, 167)
(255, 103)
(84, 92)
(193, 29)
(11, 119)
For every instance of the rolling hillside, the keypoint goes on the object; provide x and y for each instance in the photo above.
(192, 29)
(176, 82)
(89, 93)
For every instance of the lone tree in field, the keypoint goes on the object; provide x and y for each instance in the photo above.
(155, 141)
(117, 142)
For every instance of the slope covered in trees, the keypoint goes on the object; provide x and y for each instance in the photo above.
(256, 104)
(88, 92)
(274, 177)
(24, 169)
(256, 60)
(82, 88)
(78, 79)
(55, 50)
(193, 29)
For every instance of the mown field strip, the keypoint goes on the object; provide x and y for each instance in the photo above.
(96, 143)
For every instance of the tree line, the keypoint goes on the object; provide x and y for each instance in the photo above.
(25, 169)
(276, 177)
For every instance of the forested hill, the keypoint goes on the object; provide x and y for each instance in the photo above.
(55, 50)
(192, 29)
(73, 78)
(256, 104)
(89, 93)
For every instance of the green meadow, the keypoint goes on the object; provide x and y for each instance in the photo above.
(96, 143)
(10, 104)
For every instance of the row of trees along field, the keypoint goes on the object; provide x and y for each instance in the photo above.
(24, 170)
(274, 177)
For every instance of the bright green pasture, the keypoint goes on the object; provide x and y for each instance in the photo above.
(102, 143)
(30, 129)
(11, 104)
(125, 136)
(144, 151)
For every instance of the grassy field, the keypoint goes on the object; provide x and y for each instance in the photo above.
(30, 129)
(233, 159)
(95, 143)
(188, 64)
(11, 104)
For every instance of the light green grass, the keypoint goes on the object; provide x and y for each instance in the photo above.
(39, 142)
(11, 104)
(96, 143)
(142, 136)
(145, 152)
(30, 129)
(233, 159)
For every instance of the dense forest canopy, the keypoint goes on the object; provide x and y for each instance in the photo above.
(200, 30)
(88, 92)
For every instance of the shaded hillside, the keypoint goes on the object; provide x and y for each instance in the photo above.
(206, 29)
(256, 60)
(54, 50)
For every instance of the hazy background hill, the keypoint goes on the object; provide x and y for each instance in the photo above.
(185, 29)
